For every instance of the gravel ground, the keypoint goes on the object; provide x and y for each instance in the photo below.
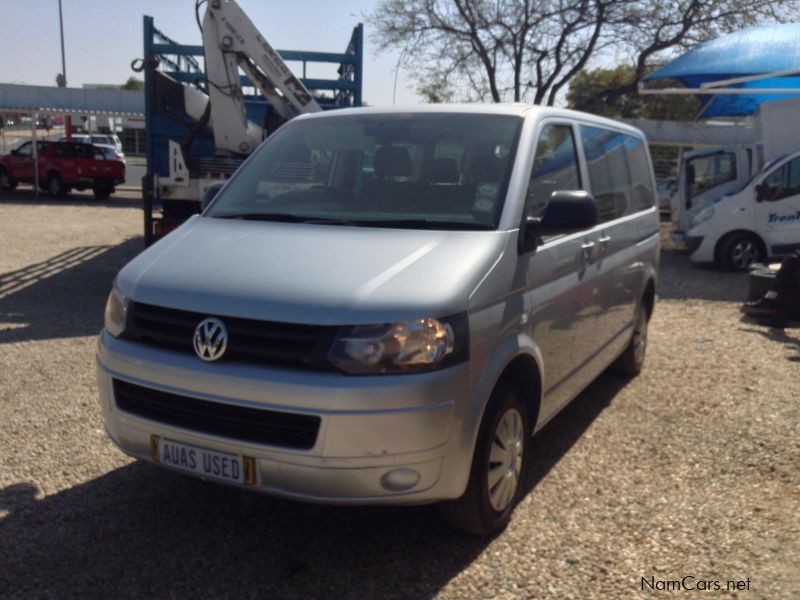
(689, 470)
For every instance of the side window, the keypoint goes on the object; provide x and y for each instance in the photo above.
(555, 167)
(641, 180)
(25, 150)
(609, 173)
(84, 151)
(784, 182)
(706, 172)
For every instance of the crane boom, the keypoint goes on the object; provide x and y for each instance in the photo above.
(231, 41)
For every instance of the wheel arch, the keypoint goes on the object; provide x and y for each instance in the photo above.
(725, 237)
(523, 373)
(649, 296)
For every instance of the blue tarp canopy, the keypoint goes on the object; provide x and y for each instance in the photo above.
(769, 52)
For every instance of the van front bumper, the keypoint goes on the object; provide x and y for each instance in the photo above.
(701, 244)
(693, 243)
(375, 431)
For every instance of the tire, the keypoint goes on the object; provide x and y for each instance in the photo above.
(741, 250)
(760, 282)
(54, 185)
(6, 183)
(102, 192)
(500, 454)
(631, 361)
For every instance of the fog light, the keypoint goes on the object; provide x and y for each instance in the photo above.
(400, 480)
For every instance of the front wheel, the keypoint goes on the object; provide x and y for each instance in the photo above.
(6, 183)
(740, 251)
(497, 467)
(631, 361)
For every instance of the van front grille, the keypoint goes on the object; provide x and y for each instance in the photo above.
(274, 428)
(251, 340)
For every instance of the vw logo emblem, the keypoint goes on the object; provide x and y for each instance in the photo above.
(210, 339)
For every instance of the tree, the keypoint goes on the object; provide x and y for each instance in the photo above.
(589, 88)
(133, 84)
(531, 49)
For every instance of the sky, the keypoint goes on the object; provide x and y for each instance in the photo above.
(102, 37)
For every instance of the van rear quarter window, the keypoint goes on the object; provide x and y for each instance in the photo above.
(619, 172)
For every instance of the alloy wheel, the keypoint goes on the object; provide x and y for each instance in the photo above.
(505, 459)
(744, 254)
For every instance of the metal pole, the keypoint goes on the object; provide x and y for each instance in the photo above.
(63, 60)
(68, 119)
(35, 159)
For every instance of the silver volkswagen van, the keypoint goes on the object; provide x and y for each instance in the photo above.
(382, 306)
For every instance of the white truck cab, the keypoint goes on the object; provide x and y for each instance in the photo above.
(706, 176)
(759, 221)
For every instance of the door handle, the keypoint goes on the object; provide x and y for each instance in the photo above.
(587, 251)
(603, 244)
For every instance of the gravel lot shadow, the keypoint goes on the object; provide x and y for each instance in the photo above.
(142, 532)
(681, 279)
(62, 296)
(779, 335)
(26, 196)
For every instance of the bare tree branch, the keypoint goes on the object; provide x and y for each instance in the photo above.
(498, 49)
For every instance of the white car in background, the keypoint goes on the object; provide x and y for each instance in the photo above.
(110, 152)
(110, 139)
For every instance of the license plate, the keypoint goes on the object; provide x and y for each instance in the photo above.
(203, 461)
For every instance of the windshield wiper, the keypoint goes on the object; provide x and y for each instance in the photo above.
(388, 223)
(283, 218)
(422, 224)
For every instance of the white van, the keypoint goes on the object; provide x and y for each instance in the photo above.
(761, 220)
(706, 176)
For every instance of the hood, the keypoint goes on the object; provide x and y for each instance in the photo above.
(315, 274)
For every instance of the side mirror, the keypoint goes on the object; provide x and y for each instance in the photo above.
(210, 193)
(14, 152)
(566, 212)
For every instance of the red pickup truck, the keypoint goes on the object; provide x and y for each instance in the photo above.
(62, 166)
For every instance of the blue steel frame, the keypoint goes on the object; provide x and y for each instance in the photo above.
(179, 62)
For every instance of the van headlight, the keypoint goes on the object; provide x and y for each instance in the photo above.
(703, 216)
(404, 347)
(116, 312)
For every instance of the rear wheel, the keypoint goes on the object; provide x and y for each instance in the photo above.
(497, 467)
(102, 191)
(54, 185)
(741, 250)
(6, 183)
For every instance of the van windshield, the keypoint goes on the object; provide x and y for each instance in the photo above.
(447, 171)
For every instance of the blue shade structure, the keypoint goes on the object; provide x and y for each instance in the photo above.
(768, 56)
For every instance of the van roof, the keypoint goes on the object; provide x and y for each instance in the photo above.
(519, 109)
